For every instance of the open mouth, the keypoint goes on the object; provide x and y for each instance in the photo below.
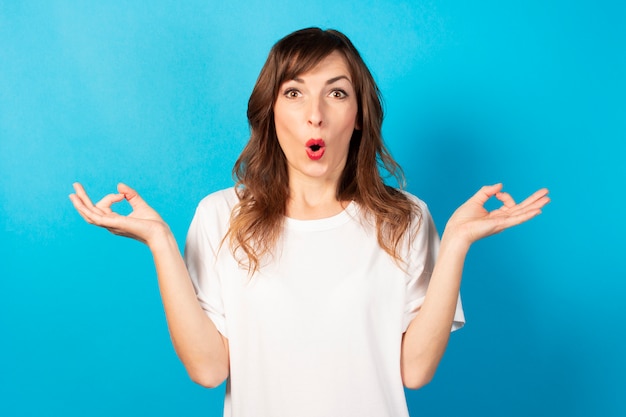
(315, 148)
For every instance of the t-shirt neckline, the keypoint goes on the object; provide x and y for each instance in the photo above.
(326, 223)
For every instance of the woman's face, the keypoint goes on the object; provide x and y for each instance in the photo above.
(315, 115)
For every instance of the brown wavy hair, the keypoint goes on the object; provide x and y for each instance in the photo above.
(262, 180)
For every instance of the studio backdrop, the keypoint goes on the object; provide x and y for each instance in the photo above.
(154, 94)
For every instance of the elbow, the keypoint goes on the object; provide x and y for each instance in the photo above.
(207, 382)
(208, 378)
(417, 379)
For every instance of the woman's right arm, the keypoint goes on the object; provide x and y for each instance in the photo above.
(199, 345)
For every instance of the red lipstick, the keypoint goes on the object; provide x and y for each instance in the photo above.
(315, 148)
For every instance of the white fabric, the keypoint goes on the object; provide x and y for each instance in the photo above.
(317, 332)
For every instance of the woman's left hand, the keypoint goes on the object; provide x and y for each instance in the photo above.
(471, 221)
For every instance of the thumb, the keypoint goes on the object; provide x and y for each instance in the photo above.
(130, 195)
(486, 192)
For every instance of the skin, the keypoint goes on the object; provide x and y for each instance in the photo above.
(311, 106)
(425, 341)
(200, 346)
(319, 104)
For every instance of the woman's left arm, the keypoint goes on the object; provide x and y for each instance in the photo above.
(426, 338)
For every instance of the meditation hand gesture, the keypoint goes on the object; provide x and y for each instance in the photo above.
(471, 221)
(142, 224)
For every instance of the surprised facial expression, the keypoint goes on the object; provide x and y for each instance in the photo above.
(315, 115)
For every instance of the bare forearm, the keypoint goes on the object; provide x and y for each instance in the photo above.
(202, 349)
(426, 338)
(200, 346)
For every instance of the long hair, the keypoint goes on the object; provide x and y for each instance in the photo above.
(262, 180)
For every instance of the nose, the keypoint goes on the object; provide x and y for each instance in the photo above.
(316, 112)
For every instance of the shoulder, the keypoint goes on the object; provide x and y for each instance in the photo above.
(413, 198)
(422, 225)
(217, 206)
(226, 198)
(400, 204)
(420, 205)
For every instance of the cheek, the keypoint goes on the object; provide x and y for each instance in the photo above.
(280, 125)
(284, 132)
(283, 119)
(350, 120)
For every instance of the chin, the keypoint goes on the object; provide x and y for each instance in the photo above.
(322, 171)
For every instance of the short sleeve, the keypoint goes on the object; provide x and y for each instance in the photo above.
(201, 249)
(423, 249)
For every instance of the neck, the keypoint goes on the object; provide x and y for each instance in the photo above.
(311, 200)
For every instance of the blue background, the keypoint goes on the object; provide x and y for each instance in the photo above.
(154, 93)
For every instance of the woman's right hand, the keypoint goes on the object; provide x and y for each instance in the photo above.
(143, 223)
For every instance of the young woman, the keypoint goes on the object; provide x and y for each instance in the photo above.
(313, 287)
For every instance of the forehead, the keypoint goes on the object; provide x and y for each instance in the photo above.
(334, 64)
(304, 66)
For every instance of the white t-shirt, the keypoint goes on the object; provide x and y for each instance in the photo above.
(317, 331)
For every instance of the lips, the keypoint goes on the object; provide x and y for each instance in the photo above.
(315, 148)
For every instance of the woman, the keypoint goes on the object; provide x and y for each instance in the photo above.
(302, 284)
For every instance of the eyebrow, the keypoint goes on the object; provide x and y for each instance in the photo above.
(328, 82)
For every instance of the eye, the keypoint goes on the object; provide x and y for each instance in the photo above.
(291, 93)
(338, 93)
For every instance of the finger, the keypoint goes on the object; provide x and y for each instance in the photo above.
(521, 213)
(517, 219)
(538, 204)
(537, 195)
(92, 214)
(486, 192)
(110, 221)
(107, 201)
(130, 195)
(529, 209)
(506, 199)
(535, 201)
(82, 194)
(89, 213)
(80, 207)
